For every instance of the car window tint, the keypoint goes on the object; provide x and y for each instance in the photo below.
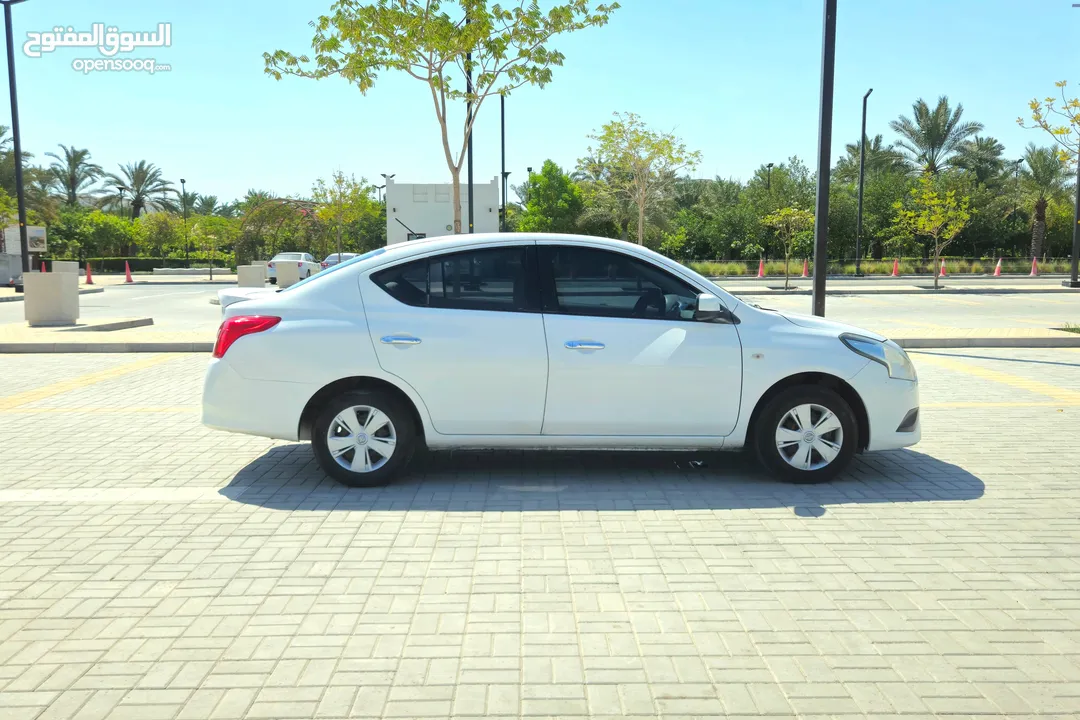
(588, 281)
(490, 279)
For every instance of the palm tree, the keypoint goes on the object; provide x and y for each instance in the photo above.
(1046, 178)
(205, 205)
(879, 157)
(980, 156)
(933, 135)
(144, 189)
(73, 172)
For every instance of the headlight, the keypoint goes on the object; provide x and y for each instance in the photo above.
(888, 353)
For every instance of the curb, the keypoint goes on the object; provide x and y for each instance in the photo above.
(107, 347)
(20, 298)
(944, 343)
(114, 325)
(177, 282)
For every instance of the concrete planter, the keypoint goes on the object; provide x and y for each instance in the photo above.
(51, 298)
(287, 274)
(250, 276)
(68, 266)
(262, 264)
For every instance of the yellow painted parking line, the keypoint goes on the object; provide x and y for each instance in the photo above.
(59, 388)
(953, 300)
(1032, 321)
(1036, 386)
(96, 410)
(1074, 303)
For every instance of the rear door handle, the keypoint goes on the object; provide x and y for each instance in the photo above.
(400, 340)
(583, 345)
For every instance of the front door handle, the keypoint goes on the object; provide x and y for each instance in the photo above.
(400, 340)
(583, 345)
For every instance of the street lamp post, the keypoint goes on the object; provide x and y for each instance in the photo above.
(1074, 281)
(20, 192)
(502, 135)
(379, 188)
(821, 215)
(862, 172)
(187, 240)
(768, 177)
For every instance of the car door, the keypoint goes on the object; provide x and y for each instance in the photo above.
(626, 356)
(463, 328)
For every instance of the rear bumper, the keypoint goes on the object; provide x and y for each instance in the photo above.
(888, 402)
(254, 407)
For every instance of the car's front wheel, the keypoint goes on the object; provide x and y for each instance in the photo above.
(806, 434)
(363, 438)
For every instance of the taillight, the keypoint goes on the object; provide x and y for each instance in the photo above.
(299, 264)
(271, 264)
(325, 265)
(237, 327)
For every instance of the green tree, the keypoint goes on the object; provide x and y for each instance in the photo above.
(644, 164)
(347, 205)
(161, 232)
(554, 202)
(937, 215)
(791, 225)
(73, 172)
(106, 235)
(879, 157)
(503, 47)
(931, 137)
(1044, 179)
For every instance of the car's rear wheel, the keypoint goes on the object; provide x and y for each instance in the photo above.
(806, 434)
(363, 438)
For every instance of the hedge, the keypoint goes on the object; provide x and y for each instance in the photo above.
(141, 264)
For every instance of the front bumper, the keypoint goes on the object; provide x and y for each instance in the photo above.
(888, 402)
(268, 408)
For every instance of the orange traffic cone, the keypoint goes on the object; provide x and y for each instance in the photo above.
(761, 268)
(127, 272)
(1034, 267)
(943, 273)
(89, 277)
(997, 269)
(43, 266)
(896, 267)
(805, 267)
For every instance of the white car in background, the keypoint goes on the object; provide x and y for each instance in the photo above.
(305, 261)
(548, 341)
(334, 258)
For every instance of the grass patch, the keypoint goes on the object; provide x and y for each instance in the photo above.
(1071, 327)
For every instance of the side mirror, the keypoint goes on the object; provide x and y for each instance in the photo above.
(709, 308)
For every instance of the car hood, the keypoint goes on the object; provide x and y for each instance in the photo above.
(812, 322)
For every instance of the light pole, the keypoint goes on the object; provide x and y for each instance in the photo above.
(768, 177)
(187, 240)
(379, 188)
(468, 124)
(1016, 192)
(20, 192)
(1074, 281)
(821, 215)
(862, 171)
(502, 135)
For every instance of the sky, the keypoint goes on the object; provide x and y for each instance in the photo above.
(737, 80)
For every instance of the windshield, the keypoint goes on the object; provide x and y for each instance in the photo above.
(335, 268)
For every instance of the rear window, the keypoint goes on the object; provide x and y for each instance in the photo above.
(289, 256)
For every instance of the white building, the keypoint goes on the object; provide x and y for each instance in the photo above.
(427, 210)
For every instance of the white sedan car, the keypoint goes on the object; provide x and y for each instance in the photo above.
(305, 261)
(548, 341)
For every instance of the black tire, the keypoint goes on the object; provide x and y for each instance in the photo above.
(776, 410)
(273, 281)
(403, 426)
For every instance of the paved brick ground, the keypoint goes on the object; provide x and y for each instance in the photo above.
(151, 568)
